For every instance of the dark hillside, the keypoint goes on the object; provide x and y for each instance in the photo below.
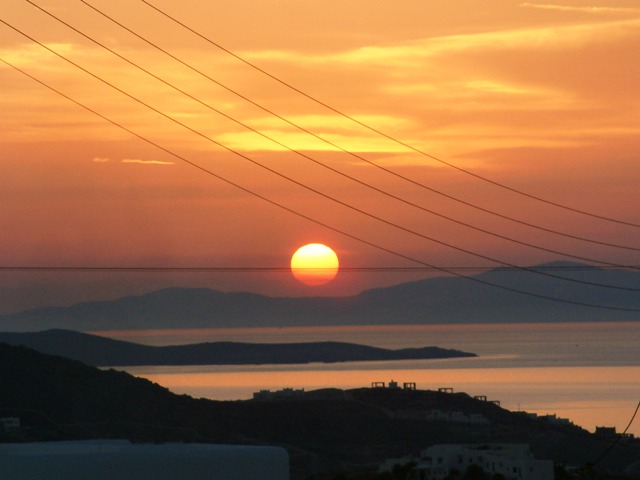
(84, 401)
(325, 431)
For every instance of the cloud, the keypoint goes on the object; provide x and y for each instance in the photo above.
(568, 8)
(145, 162)
(133, 161)
(32, 55)
(248, 141)
(413, 53)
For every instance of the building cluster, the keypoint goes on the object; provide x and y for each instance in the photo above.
(552, 418)
(284, 394)
(393, 385)
(9, 423)
(512, 461)
(482, 398)
(448, 417)
(611, 433)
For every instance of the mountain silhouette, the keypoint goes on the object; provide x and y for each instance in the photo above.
(494, 296)
(100, 351)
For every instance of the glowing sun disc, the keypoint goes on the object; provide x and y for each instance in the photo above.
(314, 264)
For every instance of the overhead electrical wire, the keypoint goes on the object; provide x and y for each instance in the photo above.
(308, 157)
(317, 162)
(360, 157)
(450, 270)
(307, 217)
(256, 269)
(307, 187)
(383, 134)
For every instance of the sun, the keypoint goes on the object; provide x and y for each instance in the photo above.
(314, 264)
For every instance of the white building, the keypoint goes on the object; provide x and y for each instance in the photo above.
(9, 423)
(111, 459)
(456, 417)
(514, 461)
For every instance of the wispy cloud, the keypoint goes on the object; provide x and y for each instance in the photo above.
(29, 54)
(137, 161)
(414, 52)
(145, 162)
(302, 142)
(570, 8)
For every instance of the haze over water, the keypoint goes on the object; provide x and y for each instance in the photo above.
(586, 372)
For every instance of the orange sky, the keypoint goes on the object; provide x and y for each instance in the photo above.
(542, 97)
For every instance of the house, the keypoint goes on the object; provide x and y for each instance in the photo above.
(9, 423)
(606, 432)
(393, 385)
(513, 461)
(455, 417)
(283, 394)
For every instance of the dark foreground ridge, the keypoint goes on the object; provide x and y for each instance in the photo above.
(325, 431)
(100, 351)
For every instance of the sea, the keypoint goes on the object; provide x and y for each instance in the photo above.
(588, 373)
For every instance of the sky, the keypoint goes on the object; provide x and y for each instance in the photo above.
(167, 170)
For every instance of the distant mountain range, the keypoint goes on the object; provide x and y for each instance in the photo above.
(99, 351)
(505, 295)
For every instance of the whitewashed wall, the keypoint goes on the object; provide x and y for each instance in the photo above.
(121, 460)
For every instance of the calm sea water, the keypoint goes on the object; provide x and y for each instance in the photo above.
(587, 372)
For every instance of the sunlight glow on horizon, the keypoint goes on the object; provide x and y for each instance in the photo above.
(538, 96)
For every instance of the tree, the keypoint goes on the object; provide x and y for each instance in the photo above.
(453, 475)
(475, 472)
(402, 472)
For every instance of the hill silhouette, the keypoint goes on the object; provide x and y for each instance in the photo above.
(434, 300)
(101, 351)
(325, 431)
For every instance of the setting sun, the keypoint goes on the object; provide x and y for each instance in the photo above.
(314, 264)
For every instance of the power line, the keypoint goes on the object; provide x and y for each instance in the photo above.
(258, 269)
(305, 186)
(384, 192)
(378, 190)
(385, 135)
(311, 219)
(369, 162)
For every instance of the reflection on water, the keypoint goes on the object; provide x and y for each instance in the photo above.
(585, 372)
